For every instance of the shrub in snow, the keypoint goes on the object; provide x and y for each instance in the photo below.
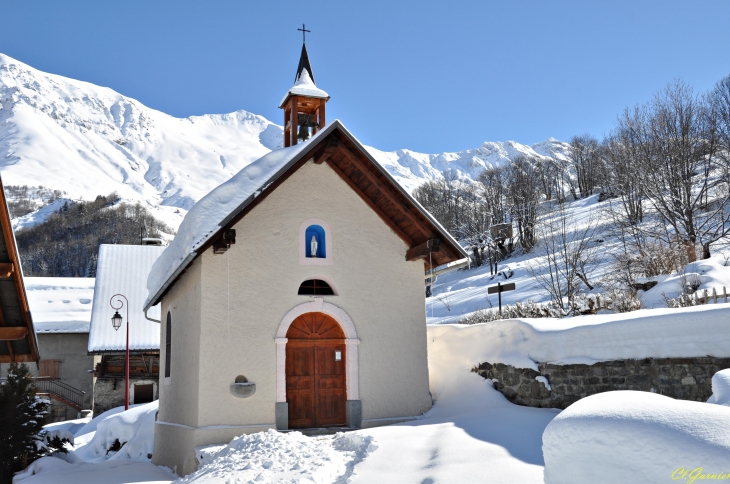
(581, 304)
(628, 436)
(22, 415)
(682, 301)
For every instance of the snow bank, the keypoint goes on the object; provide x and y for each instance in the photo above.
(44, 464)
(282, 457)
(658, 333)
(204, 218)
(134, 428)
(631, 436)
(720, 388)
(707, 274)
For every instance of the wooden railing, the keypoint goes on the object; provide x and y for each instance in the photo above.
(61, 391)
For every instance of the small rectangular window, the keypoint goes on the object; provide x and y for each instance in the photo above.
(338, 355)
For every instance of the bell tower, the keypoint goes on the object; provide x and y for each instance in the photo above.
(303, 104)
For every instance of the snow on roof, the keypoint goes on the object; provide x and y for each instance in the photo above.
(60, 304)
(222, 204)
(305, 86)
(207, 216)
(123, 269)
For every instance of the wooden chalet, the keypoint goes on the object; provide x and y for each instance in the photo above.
(18, 341)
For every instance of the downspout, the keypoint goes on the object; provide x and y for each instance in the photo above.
(150, 319)
(431, 276)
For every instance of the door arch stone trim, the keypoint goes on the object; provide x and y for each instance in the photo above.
(318, 305)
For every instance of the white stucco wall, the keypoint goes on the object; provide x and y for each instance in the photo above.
(247, 291)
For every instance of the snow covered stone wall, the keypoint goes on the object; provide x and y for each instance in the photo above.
(558, 386)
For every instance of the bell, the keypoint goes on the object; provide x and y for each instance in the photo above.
(303, 132)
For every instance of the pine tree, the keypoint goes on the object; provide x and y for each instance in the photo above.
(22, 416)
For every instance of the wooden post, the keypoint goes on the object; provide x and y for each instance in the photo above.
(294, 121)
(322, 119)
(705, 297)
(499, 292)
(714, 295)
(724, 293)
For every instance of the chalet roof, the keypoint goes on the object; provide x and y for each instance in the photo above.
(123, 269)
(335, 145)
(18, 341)
(60, 304)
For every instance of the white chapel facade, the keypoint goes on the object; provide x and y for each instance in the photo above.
(302, 304)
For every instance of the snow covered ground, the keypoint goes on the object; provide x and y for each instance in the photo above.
(472, 433)
(631, 436)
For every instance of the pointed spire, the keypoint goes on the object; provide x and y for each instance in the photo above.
(304, 64)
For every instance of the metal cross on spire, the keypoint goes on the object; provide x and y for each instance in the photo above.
(304, 31)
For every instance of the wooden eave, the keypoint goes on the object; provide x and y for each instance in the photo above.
(18, 340)
(306, 103)
(377, 188)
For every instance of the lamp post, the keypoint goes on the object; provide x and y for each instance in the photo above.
(117, 322)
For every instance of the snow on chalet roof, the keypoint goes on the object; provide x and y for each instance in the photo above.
(60, 304)
(304, 86)
(123, 269)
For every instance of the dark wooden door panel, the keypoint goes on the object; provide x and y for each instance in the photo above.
(315, 372)
(330, 384)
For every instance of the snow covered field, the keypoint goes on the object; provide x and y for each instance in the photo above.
(472, 434)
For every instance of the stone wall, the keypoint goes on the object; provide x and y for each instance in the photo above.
(682, 378)
(109, 392)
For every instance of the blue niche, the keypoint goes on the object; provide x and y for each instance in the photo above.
(317, 232)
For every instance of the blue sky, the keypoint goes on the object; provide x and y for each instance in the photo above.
(428, 76)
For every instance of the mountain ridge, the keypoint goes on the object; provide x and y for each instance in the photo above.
(87, 140)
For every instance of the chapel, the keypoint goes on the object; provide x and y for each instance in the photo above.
(293, 295)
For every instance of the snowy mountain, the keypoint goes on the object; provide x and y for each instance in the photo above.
(87, 140)
(412, 169)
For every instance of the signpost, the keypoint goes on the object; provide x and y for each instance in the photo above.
(499, 289)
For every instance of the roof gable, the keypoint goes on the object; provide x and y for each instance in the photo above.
(335, 145)
(18, 341)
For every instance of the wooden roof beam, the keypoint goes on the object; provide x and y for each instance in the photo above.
(424, 250)
(6, 270)
(12, 333)
(332, 145)
(16, 359)
(384, 190)
(370, 203)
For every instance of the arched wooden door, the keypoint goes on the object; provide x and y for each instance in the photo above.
(315, 372)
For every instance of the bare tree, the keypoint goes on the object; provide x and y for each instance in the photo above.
(719, 100)
(681, 176)
(523, 193)
(569, 254)
(586, 162)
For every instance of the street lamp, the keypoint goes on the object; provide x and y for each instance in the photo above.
(117, 323)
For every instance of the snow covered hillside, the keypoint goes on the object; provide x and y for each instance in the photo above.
(87, 140)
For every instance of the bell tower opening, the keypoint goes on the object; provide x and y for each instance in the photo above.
(303, 104)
